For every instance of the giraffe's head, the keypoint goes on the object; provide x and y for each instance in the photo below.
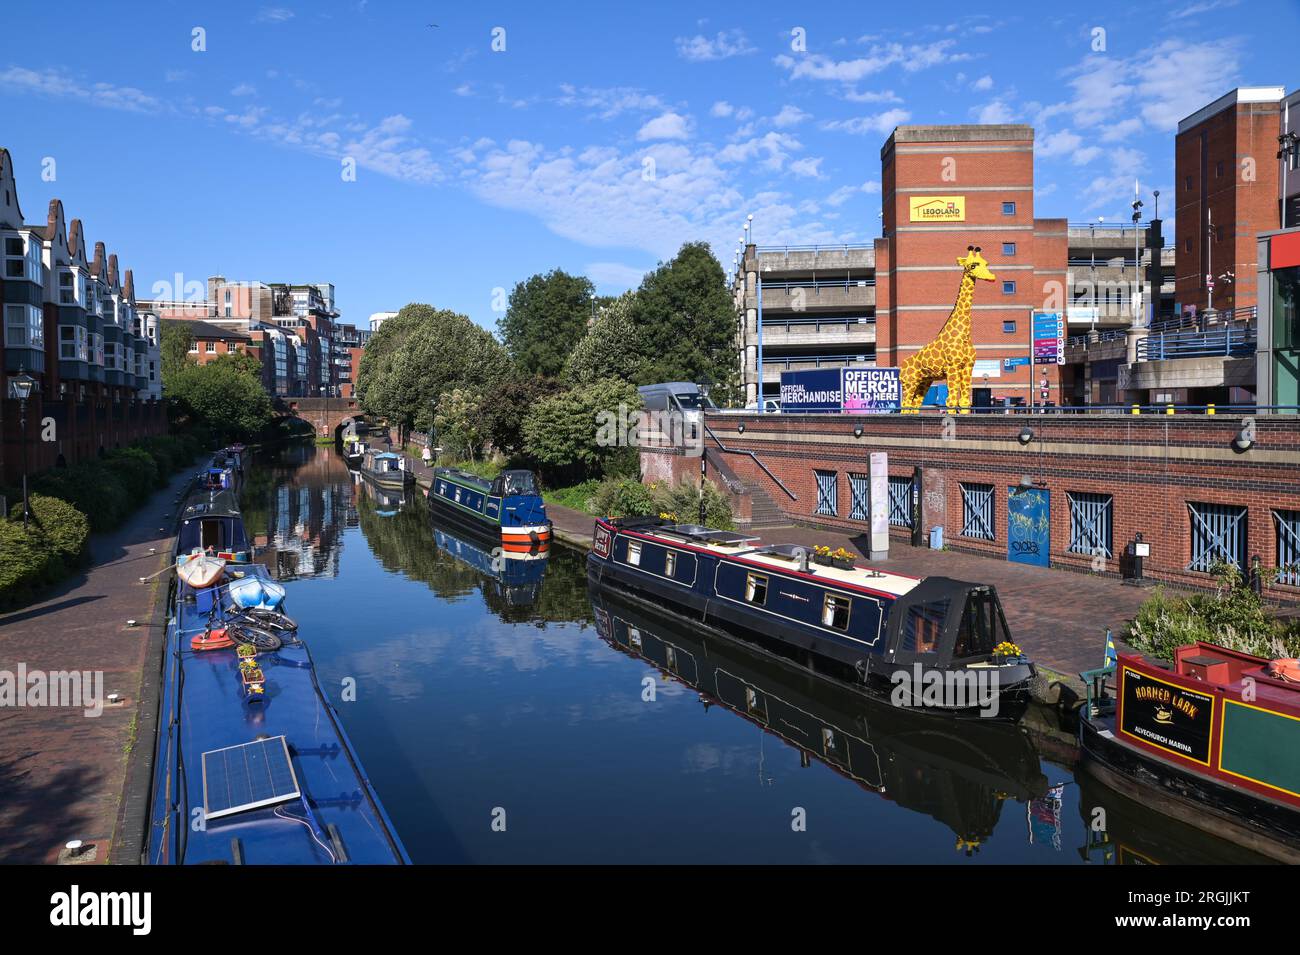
(973, 264)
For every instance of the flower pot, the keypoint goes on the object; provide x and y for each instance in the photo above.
(843, 563)
(824, 560)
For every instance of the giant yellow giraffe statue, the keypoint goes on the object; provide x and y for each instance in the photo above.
(951, 356)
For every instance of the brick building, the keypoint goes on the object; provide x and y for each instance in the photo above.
(72, 324)
(1197, 488)
(1226, 171)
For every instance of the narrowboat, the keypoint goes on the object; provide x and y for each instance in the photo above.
(211, 526)
(386, 468)
(354, 451)
(388, 501)
(959, 774)
(509, 505)
(252, 765)
(934, 643)
(1212, 739)
(514, 577)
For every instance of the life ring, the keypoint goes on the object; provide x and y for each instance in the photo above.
(1285, 668)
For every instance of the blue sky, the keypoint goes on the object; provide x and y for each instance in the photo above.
(598, 140)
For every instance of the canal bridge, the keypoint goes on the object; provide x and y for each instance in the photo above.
(325, 415)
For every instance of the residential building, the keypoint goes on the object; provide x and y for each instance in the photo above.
(72, 325)
(378, 318)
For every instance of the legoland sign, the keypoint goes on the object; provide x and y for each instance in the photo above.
(937, 208)
(848, 390)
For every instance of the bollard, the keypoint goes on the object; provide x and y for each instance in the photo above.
(1169, 409)
(1209, 409)
(1137, 409)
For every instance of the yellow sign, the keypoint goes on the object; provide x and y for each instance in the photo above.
(938, 208)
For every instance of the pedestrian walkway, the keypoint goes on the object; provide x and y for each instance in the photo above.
(1058, 617)
(63, 774)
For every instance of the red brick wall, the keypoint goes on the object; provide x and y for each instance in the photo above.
(1153, 466)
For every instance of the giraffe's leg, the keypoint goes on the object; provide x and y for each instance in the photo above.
(959, 394)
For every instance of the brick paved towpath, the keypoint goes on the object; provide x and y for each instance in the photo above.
(63, 775)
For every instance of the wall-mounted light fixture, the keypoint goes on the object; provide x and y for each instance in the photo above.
(1026, 435)
(857, 431)
(740, 428)
(1244, 440)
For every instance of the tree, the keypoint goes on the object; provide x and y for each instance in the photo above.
(687, 321)
(578, 432)
(223, 395)
(420, 355)
(175, 339)
(611, 348)
(545, 317)
(461, 426)
(506, 406)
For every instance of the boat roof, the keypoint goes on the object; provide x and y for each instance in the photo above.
(783, 557)
(205, 503)
(387, 454)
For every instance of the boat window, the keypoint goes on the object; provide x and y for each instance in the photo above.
(756, 588)
(982, 626)
(517, 483)
(457, 495)
(634, 637)
(670, 563)
(211, 534)
(923, 626)
(634, 552)
(754, 704)
(835, 611)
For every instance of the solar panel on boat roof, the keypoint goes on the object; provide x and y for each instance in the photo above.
(247, 776)
(701, 533)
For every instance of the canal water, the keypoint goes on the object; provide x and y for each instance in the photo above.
(504, 714)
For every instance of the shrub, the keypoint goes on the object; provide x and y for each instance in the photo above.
(137, 470)
(623, 497)
(683, 500)
(91, 488)
(63, 527)
(26, 561)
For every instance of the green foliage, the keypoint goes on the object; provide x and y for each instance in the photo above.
(564, 432)
(1233, 616)
(420, 355)
(683, 501)
(628, 497)
(92, 488)
(623, 497)
(53, 544)
(174, 342)
(136, 468)
(506, 406)
(224, 395)
(576, 496)
(461, 426)
(687, 321)
(545, 316)
(611, 348)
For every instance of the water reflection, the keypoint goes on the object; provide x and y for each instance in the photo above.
(960, 773)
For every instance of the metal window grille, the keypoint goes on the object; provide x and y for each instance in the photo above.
(977, 511)
(1218, 535)
(1091, 523)
(827, 493)
(900, 501)
(859, 497)
(1288, 547)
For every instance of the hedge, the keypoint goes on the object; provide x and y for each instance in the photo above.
(68, 503)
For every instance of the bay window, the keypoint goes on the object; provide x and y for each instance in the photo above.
(22, 257)
(73, 343)
(24, 327)
(67, 287)
(97, 348)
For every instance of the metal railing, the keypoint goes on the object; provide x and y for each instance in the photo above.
(845, 248)
(1103, 335)
(752, 456)
(846, 284)
(778, 322)
(1200, 322)
(1229, 341)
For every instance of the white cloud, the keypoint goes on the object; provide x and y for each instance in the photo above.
(244, 89)
(609, 101)
(869, 96)
(465, 89)
(668, 125)
(1060, 143)
(809, 167)
(983, 84)
(882, 123)
(727, 43)
(721, 109)
(995, 112)
(911, 58)
(273, 15)
(55, 83)
(789, 116)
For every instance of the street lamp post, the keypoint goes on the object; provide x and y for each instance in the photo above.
(20, 387)
(1137, 254)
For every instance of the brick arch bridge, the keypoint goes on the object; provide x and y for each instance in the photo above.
(325, 415)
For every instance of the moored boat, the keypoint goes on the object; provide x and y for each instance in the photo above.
(252, 764)
(508, 505)
(354, 451)
(515, 576)
(934, 643)
(1212, 739)
(386, 468)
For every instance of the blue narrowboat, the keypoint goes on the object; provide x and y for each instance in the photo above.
(252, 765)
(515, 575)
(934, 643)
(508, 505)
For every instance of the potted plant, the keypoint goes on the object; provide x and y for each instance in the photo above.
(822, 555)
(842, 559)
(1006, 652)
(253, 679)
(246, 651)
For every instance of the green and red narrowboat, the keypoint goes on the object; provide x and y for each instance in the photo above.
(1212, 740)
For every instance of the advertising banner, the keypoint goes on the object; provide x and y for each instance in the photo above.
(872, 390)
(806, 392)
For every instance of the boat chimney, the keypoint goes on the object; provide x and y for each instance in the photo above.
(803, 559)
